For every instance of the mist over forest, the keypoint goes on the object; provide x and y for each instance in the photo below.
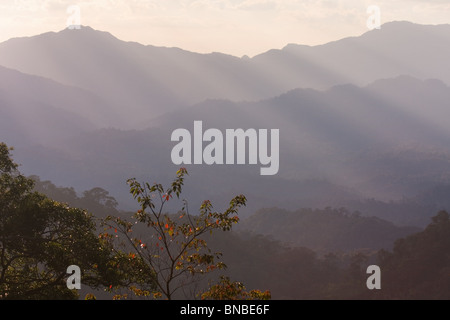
(364, 151)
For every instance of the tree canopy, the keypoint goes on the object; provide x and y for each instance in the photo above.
(157, 254)
(40, 238)
(172, 249)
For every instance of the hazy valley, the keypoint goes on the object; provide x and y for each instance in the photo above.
(364, 138)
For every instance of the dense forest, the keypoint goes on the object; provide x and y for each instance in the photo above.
(94, 206)
(303, 254)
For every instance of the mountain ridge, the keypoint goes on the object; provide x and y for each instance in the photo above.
(141, 82)
(337, 146)
(342, 139)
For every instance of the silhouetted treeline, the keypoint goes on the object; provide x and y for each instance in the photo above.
(96, 200)
(418, 267)
(416, 264)
(326, 230)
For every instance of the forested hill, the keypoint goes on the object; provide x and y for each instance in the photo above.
(323, 230)
(298, 272)
(326, 229)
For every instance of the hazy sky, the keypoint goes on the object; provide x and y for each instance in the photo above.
(236, 27)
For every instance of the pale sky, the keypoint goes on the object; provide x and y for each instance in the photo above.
(235, 27)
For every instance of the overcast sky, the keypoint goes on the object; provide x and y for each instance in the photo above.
(236, 27)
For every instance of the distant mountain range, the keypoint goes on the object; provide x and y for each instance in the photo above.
(363, 117)
(39, 110)
(140, 82)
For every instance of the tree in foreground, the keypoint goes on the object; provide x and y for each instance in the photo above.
(40, 238)
(228, 290)
(169, 248)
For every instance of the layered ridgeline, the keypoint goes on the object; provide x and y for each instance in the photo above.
(37, 110)
(88, 110)
(337, 147)
(316, 254)
(141, 81)
(325, 230)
